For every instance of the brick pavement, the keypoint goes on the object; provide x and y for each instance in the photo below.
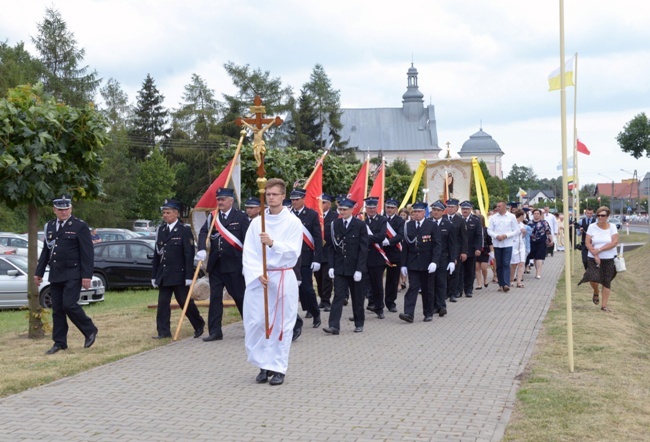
(450, 379)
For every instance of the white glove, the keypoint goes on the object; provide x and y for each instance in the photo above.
(330, 273)
(188, 282)
(405, 271)
(299, 282)
(153, 284)
(315, 266)
(385, 243)
(357, 276)
(200, 255)
(432, 267)
(451, 267)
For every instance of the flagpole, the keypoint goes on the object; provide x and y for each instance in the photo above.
(242, 134)
(565, 191)
(383, 185)
(365, 188)
(320, 161)
(576, 175)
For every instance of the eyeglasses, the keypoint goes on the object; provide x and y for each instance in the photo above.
(602, 215)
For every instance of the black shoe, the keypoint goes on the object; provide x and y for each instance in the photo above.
(351, 318)
(263, 376)
(296, 333)
(380, 315)
(308, 315)
(405, 317)
(90, 339)
(392, 309)
(358, 329)
(54, 349)
(428, 318)
(345, 301)
(452, 299)
(458, 296)
(469, 295)
(321, 305)
(371, 307)
(214, 337)
(331, 330)
(442, 312)
(327, 307)
(199, 332)
(277, 379)
(161, 337)
(316, 322)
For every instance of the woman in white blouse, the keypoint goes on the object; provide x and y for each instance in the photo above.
(601, 242)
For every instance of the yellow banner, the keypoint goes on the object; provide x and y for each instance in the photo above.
(481, 188)
(412, 191)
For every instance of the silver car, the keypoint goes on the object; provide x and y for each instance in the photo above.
(18, 242)
(13, 285)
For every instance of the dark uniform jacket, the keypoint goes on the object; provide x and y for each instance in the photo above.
(377, 234)
(331, 216)
(348, 251)
(420, 247)
(449, 251)
(392, 250)
(223, 257)
(71, 255)
(474, 234)
(584, 224)
(460, 232)
(309, 219)
(173, 260)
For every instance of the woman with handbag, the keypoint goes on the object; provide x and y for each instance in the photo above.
(601, 241)
(540, 238)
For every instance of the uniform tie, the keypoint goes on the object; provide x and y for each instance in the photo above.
(223, 216)
(417, 226)
(59, 224)
(345, 223)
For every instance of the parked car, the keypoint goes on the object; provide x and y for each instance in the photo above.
(125, 263)
(13, 285)
(116, 234)
(616, 220)
(18, 242)
(7, 251)
(143, 225)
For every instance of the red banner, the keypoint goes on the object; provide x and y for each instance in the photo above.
(359, 187)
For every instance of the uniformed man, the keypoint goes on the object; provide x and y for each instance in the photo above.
(455, 282)
(474, 246)
(421, 245)
(322, 278)
(310, 256)
(347, 255)
(69, 253)
(252, 206)
(377, 259)
(393, 248)
(172, 269)
(448, 256)
(227, 227)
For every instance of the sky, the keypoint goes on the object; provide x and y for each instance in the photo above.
(480, 63)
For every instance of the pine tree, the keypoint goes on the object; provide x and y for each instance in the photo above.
(116, 105)
(304, 130)
(150, 123)
(63, 78)
(17, 67)
(328, 107)
(198, 115)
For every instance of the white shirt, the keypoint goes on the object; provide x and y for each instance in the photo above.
(601, 237)
(552, 222)
(505, 224)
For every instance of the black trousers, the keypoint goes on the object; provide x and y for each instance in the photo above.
(341, 286)
(235, 283)
(65, 296)
(469, 271)
(164, 311)
(392, 285)
(420, 281)
(585, 257)
(454, 279)
(306, 292)
(324, 284)
(376, 283)
(440, 291)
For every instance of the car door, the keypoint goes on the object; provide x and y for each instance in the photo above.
(13, 286)
(114, 262)
(141, 263)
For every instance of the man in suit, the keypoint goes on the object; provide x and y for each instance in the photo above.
(310, 256)
(583, 225)
(376, 226)
(455, 280)
(253, 208)
(226, 228)
(393, 248)
(474, 246)
(347, 255)
(322, 278)
(419, 261)
(172, 269)
(448, 256)
(69, 253)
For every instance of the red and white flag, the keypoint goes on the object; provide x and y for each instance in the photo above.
(314, 191)
(359, 188)
(580, 147)
(379, 186)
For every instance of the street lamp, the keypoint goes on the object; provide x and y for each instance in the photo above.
(611, 203)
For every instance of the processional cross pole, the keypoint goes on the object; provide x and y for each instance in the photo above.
(259, 125)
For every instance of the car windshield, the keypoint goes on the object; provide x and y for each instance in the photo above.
(18, 261)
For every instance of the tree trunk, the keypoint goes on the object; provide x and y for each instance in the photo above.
(36, 330)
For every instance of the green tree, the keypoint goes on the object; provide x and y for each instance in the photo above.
(303, 129)
(17, 67)
(398, 179)
(520, 176)
(116, 105)
(635, 137)
(155, 182)
(46, 149)
(150, 123)
(198, 115)
(327, 105)
(63, 77)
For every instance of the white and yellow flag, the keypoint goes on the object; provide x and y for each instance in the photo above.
(554, 77)
(522, 193)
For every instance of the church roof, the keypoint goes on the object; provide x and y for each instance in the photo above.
(480, 142)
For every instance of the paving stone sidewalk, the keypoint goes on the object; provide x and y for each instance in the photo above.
(451, 379)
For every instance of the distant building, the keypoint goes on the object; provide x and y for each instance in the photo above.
(483, 147)
(626, 195)
(534, 197)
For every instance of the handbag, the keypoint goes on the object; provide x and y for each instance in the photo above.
(619, 262)
(549, 241)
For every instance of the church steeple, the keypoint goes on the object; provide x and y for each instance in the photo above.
(413, 99)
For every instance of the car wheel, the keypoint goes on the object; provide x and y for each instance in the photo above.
(45, 299)
(103, 279)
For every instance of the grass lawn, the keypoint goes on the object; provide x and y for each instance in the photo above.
(607, 397)
(126, 326)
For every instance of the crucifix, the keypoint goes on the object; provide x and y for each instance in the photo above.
(259, 125)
